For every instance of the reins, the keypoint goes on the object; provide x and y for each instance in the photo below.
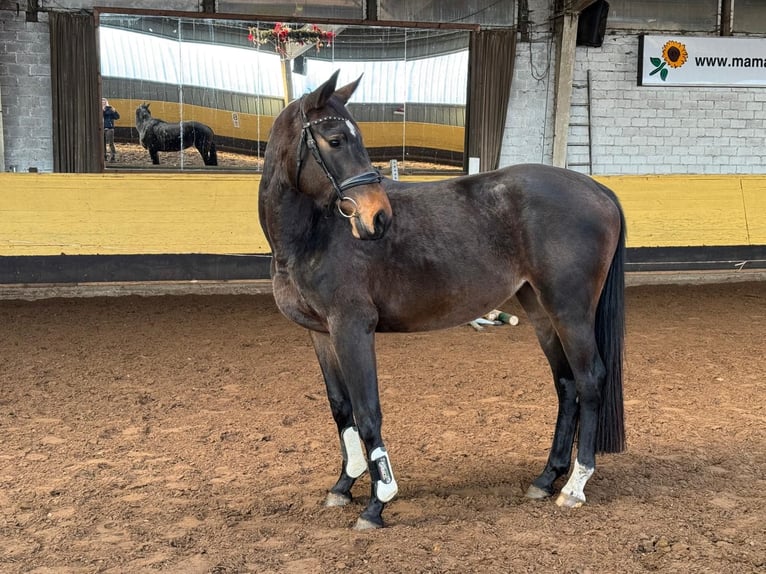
(308, 139)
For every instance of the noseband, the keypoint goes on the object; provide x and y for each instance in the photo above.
(308, 140)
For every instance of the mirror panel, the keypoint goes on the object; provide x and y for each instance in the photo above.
(229, 79)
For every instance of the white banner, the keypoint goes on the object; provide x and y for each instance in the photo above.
(697, 61)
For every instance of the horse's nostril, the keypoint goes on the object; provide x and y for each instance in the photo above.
(382, 221)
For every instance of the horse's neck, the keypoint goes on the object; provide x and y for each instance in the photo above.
(146, 124)
(291, 222)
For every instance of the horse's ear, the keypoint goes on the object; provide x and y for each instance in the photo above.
(319, 97)
(348, 90)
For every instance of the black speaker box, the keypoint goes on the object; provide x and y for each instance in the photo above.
(591, 26)
(299, 65)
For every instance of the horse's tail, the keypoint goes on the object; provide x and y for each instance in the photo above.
(610, 338)
(212, 156)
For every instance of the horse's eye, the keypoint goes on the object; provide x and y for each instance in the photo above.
(335, 142)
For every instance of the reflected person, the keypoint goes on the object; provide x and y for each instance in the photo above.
(110, 115)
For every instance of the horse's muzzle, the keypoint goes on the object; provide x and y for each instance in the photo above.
(371, 219)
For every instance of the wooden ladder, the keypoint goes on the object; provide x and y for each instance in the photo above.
(579, 148)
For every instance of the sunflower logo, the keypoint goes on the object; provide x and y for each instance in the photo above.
(674, 54)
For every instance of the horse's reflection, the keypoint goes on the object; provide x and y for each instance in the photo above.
(157, 135)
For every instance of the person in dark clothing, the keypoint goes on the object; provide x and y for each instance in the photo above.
(110, 115)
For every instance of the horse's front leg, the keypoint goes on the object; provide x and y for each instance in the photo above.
(354, 344)
(155, 156)
(354, 463)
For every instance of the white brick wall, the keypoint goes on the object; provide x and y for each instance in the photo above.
(640, 129)
(662, 130)
(25, 88)
(528, 136)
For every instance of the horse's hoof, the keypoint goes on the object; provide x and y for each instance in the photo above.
(364, 524)
(568, 501)
(335, 499)
(536, 493)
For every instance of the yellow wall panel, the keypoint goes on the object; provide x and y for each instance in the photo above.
(754, 199)
(413, 134)
(256, 128)
(680, 211)
(50, 214)
(251, 126)
(217, 213)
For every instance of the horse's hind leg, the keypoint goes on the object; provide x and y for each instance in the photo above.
(202, 152)
(354, 463)
(580, 346)
(155, 156)
(560, 455)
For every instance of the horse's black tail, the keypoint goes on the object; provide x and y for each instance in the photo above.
(212, 156)
(610, 338)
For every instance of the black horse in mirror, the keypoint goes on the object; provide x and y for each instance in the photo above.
(157, 135)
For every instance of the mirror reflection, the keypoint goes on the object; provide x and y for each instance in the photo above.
(203, 93)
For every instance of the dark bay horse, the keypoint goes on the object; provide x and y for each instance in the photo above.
(157, 135)
(354, 254)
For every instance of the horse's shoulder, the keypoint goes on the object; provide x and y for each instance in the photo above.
(291, 302)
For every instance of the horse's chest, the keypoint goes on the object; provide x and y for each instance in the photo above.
(294, 305)
(143, 138)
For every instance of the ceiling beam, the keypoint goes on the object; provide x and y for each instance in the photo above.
(578, 6)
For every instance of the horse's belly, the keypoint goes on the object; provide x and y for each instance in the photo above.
(293, 306)
(433, 322)
(433, 311)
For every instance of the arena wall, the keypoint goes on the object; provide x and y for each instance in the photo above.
(686, 163)
(52, 224)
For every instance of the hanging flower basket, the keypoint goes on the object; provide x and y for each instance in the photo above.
(285, 39)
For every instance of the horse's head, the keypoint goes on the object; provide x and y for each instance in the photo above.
(332, 164)
(142, 114)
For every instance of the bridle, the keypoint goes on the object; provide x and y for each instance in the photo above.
(308, 140)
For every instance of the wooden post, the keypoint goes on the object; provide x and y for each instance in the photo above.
(287, 81)
(563, 95)
(726, 13)
(565, 58)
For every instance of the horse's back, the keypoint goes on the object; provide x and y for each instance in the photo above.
(549, 198)
(539, 186)
(532, 199)
(478, 238)
(570, 224)
(199, 127)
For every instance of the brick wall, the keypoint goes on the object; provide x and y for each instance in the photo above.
(636, 129)
(25, 88)
(528, 136)
(661, 130)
